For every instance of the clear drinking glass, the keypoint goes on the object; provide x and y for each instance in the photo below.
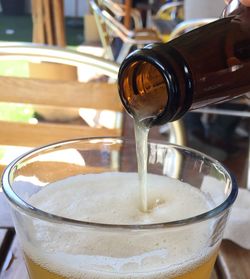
(59, 245)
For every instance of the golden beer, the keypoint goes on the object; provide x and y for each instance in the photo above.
(201, 272)
(92, 225)
(63, 253)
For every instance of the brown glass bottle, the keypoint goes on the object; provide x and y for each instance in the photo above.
(211, 64)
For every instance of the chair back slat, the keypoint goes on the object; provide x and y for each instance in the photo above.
(68, 95)
(60, 93)
(34, 135)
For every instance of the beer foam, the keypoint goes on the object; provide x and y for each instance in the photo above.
(114, 198)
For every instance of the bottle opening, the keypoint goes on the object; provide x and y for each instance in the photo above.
(143, 91)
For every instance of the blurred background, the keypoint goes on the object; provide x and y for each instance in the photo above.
(112, 29)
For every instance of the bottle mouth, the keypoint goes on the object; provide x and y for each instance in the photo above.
(143, 91)
(148, 88)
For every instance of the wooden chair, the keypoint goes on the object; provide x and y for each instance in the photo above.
(167, 17)
(28, 86)
(108, 19)
(170, 10)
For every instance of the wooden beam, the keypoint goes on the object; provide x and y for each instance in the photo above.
(38, 22)
(60, 93)
(59, 25)
(53, 71)
(49, 32)
(33, 135)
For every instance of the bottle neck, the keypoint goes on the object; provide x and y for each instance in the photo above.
(208, 65)
(182, 75)
(155, 85)
(218, 55)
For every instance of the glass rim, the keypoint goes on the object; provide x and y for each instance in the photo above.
(29, 209)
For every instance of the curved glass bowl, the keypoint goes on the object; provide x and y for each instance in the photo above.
(35, 170)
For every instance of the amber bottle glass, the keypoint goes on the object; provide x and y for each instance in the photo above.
(210, 64)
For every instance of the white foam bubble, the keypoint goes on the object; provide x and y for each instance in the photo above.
(114, 198)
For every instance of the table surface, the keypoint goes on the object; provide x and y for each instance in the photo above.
(233, 262)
